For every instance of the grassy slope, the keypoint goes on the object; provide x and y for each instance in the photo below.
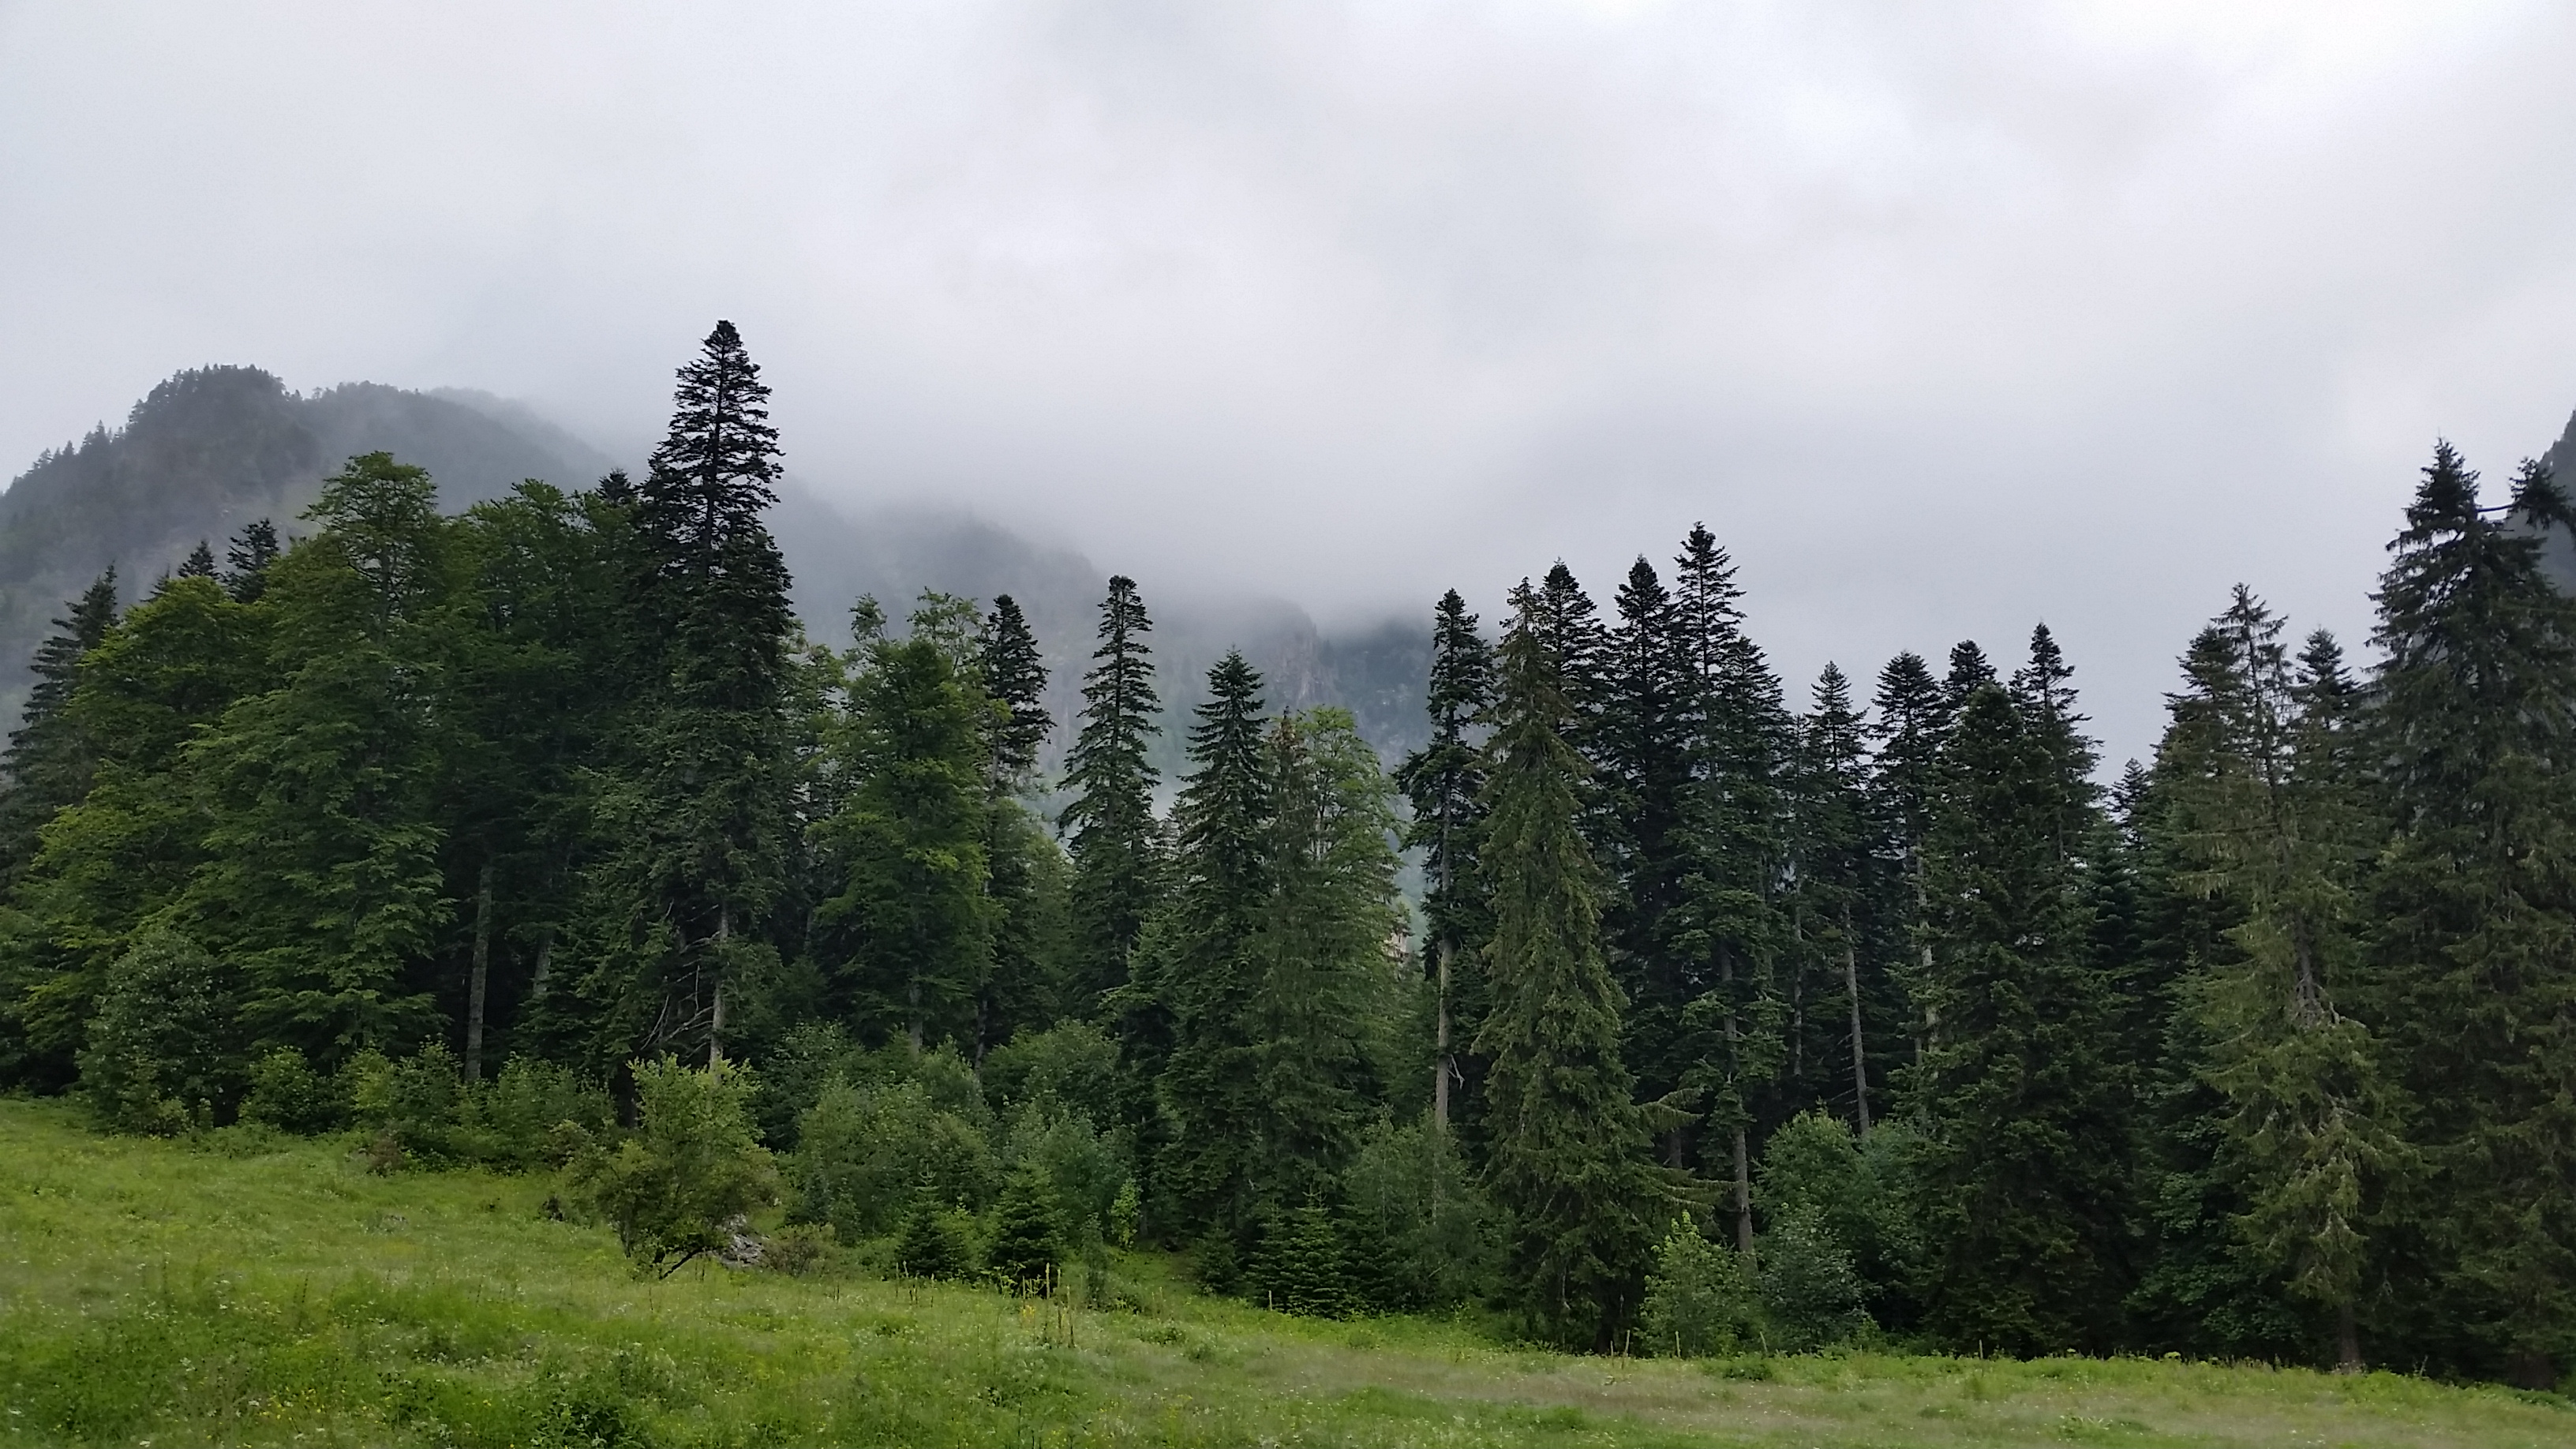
(150, 1292)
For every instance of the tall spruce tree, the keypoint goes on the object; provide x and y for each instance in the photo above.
(48, 764)
(1214, 1172)
(913, 915)
(701, 805)
(1642, 740)
(1116, 847)
(1014, 676)
(2022, 1171)
(1728, 921)
(1326, 986)
(1442, 782)
(2311, 1126)
(246, 561)
(2474, 984)
(1913, 722)
(322, 874)
(1027, 868)
(1833, 857)
(1568, 1145)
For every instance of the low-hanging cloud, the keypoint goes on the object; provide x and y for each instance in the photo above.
(1948, 319)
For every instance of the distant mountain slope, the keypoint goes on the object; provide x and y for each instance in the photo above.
(215, 448)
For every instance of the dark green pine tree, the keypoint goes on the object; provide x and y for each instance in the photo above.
(2474, 985)
(200, 562)
(1442, 781)
(1567, 1144)
(2023, 1178)
(2311, 1127)
(912, 921)
(322, 875)
(1213, 1171)
(48, 764)
(1834, 858)
(1116, 848)
(247, 560)
(1729, 921)
(1028, 1231)
(1301, 1268)
(1015, 678)
(1969, 668)
(701, 809)
(1028, 874)
(1642, 745)
(1326, 992)
(1913, 722)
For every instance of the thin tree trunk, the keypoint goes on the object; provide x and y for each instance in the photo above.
(1743, 1194)
(1798, 1007)
(913, 1000)
(1860, 1054)
(2347, 1340)
(545, 966)
(479, 980)
(1441, 1065)
(716, 1022)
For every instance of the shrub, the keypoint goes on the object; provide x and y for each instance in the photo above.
(1409, 1190)
(287, 1094)
(1073, 1066)
(693, 1167)
(1084, 1169)
(864, 1154)
(1700, 1300)
(513, 1120)
(1809, 1289)
(156, 1059)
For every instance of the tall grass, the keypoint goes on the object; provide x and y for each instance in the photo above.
(251, 1290)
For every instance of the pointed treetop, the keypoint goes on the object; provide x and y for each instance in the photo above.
(1968, 670)
(200, 563)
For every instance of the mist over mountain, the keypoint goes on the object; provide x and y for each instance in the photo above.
(215, 448)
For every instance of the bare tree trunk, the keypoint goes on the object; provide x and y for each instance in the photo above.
(1860, 1054)
(1743, 1194)
(1441, 1065)
(716, 1023)
(478, 981)
(2347, 1340)
(912, 999)
(545, 966)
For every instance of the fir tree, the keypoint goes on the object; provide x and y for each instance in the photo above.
(246, 561)
(2312, 1125)
(2022, 1173)
(199, 564)
(1568, 1146)
(910, 842)
(1913, 721)
(1642, 741)
(1728, 920)
(1833, 854)
(1214, 1168)
(1301, 1268)
(2476, 900)
(1014, 675)
(702, 808)
(1326, 984)
(1115, 849)
(1028, 1231)
(322, 873)
(1442, 781)
(48, 764)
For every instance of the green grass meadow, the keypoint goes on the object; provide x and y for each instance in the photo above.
(249, 1290)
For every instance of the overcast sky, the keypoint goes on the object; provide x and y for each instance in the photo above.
(1946, 318)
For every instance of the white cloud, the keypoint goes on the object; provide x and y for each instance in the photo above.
(1948, 318)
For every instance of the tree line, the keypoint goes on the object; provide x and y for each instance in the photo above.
(1718, 1019)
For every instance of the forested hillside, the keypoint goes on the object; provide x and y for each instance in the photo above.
(1732, 1014)
(214, 449)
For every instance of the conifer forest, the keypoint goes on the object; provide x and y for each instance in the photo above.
(1656, 1005)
